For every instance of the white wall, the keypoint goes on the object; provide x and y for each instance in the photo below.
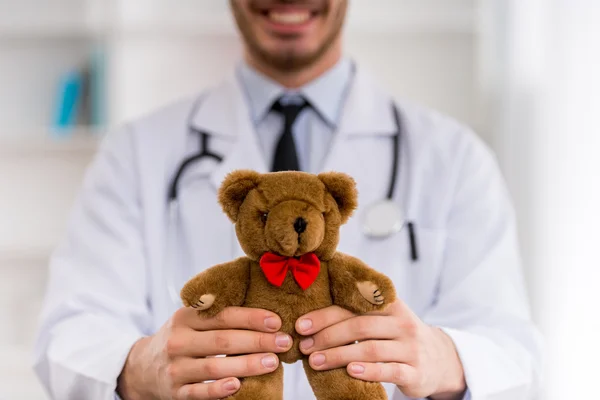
(549, 148)
(149, 72)
(439, 70)
(22, 282)
(567, 192)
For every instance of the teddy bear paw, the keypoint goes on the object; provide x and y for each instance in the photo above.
(371, 292)
(204, 302)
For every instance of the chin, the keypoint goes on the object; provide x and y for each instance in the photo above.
(300, 46)
(287, 58)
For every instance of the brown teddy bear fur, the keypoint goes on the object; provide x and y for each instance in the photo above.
(264, 208)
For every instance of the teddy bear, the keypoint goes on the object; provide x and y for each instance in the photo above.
(288, 225)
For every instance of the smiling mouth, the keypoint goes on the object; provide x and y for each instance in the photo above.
(288, 16)
(295, 17)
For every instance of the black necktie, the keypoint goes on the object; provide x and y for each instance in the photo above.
(286, 158)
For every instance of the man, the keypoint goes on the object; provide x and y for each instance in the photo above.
(461, 329)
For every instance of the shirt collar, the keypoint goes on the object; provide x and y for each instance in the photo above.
(326, 93)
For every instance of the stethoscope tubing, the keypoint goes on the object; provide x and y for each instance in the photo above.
(204, 153)
(396, 154)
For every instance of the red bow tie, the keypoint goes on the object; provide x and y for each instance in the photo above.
(305, 269)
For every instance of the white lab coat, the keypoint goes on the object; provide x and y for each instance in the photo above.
(108, 281)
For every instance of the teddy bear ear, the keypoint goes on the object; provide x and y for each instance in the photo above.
(234, 189)
(342, 188)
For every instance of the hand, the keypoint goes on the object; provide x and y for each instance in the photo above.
(176, 362)
(393, 346)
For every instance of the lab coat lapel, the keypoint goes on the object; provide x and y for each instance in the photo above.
(368, 109)
(224, 113)
(367, 112)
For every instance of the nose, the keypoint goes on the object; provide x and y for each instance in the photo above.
(300, 225)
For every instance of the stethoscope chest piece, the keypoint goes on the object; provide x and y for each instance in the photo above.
(383, 219)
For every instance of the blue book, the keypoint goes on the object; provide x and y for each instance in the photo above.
(68, 103)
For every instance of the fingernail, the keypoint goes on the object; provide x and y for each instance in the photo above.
(230, 385)
(271, 323)
(307, 343)
(318, 359)
(357, 369)
(268, 362)
(305, 325)
(282, 341)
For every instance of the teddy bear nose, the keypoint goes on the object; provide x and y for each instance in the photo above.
(300, 225)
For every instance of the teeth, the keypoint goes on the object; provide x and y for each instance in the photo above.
(289, 18)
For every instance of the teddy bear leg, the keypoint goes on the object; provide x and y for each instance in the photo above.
(269, 386)
(336, 384)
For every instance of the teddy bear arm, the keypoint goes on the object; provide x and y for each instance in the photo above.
(221, 286)
(358, 287)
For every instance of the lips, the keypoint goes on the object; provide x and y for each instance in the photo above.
(289, 22)
(289, 17)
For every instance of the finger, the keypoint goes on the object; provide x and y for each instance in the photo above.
(398, 308)
(226, 342)
(402, 375)
(318, 320)
(350, 331)
(369, 351)
(209, 391)
(192, 370)
(231, 318)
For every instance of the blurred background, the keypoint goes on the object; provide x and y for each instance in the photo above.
(523, 74)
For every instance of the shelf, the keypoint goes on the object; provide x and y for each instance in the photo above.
(44, 31)
(195, 18)
(81, 142)
(46, 19)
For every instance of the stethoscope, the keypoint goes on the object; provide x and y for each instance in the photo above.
(381, 220)
(385, 218)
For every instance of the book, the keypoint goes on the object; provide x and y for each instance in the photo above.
(69, 103)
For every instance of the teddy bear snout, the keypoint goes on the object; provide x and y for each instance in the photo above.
(294, 228)
(300, 225)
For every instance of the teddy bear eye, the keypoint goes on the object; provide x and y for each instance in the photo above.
(264, 216)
